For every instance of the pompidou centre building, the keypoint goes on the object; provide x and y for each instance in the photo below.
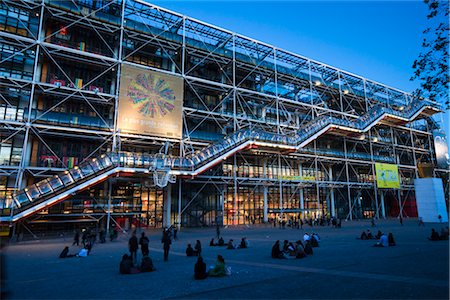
(124, 113)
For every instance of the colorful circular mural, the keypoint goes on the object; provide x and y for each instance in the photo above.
(152, 95)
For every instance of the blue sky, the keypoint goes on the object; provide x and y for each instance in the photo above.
(378, 40)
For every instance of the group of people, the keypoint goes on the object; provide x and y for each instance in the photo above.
(87, 240)
(292, 250)
(196, 251)
(242, 245)
(435, 236)
(385, 240)
(218, 270)
(127, 265)
(133, 246)
(220, 242)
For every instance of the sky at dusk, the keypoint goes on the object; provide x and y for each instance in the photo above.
(378, 40)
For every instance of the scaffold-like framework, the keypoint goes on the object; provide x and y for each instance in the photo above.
(60, 71)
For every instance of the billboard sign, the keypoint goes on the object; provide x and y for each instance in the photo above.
(150, 103)
(441, 150)
(387, 176)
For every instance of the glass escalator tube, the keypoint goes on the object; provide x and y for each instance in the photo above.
(21, 198)
(76, 173)
(56, 183)
(105, 160)
(96, 165)
(32, 192)
(86, 169)
(44, 187)
(66, 178)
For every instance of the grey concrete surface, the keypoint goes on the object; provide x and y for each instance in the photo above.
(341, 268)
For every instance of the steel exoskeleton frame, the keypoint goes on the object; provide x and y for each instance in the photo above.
(257, 86)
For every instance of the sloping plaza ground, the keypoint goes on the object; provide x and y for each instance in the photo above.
(341, 268)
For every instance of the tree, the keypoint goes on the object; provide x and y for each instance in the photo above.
(431, 67)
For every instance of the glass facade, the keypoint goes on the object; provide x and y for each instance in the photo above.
(267, 134)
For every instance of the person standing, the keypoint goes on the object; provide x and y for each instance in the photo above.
(218, 231)
(166, 244)
(133, 246)
(144, 241)
(198, 248)
(175, 231)
(76, 238)
(401, 220)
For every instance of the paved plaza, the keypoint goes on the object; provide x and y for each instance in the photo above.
(341, 268)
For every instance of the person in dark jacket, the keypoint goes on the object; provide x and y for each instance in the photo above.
(166, 241)
(198, 248)
(143, 241)
(221, 242)
(190, 250)
(126, 264)
(308, 248)
(391, 240)
(276, 252)
(200, 269)
(133, 246)
(76, 238)
(434, 235)
(146, 264)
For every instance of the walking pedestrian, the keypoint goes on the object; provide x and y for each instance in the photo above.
(166, 244)
(143, 241)
(133, 246)
(76, 238)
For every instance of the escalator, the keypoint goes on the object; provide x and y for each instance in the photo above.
(53, 190)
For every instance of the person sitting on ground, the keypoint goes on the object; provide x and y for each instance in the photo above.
(378, 235)
(308, 248)
(363, 236)
(146, 264)
(369, 235)
(306, 237)
(200, 269)
(219, 269)
(300, 250)
(391, 241)
(65, 253)
(292, 251)
(221, 242)
(126, 264)
(444, 234)
(198, 248)
(315, 240)
(212, 243)
(83, 253)
(244, 243)
(190, 251)
(230, 245)
(383, 242)
(434, 235)
(276, 252)
(285, 247)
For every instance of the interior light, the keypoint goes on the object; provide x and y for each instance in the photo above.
(317, 83)
(345, 92)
